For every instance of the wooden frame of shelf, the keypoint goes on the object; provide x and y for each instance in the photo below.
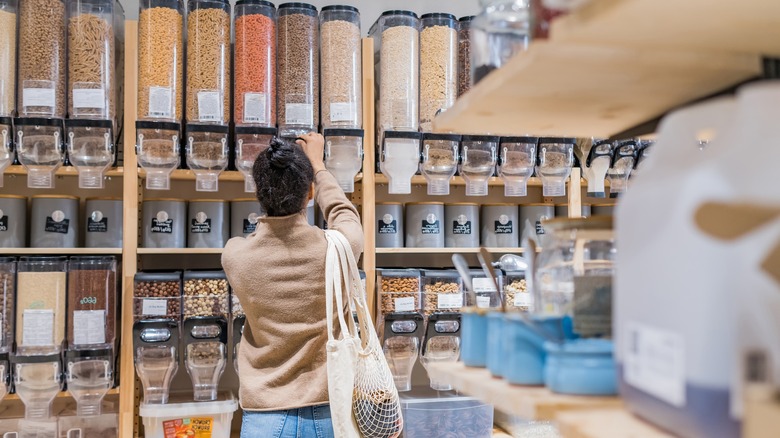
(60, 251)
(446, 250)
(63, 171)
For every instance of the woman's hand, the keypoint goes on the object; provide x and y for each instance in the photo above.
(313, 145)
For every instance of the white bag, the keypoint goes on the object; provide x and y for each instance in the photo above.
(363, 398)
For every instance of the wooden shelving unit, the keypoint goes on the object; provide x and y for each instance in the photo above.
(590, 423)
(227, 175)
(60, 395)
(63, 171)
(60, 251)
(172, 251)
(445, 250)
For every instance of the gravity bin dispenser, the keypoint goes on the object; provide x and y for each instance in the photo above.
(159, 152)
(344, 155)
(400, 159)
(156, 353)
(596, 166)
(517, 159)
(623, 163)
(441, 344)
(37, 380)
(90, 149)
(403, 334)
(250, 141)
(205, 354)
(207, 154)
(440, 156)
(40, 149)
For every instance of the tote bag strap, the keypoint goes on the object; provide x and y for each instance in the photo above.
(333, 287)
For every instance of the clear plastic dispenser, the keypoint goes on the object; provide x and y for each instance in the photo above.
(478, 162)
(403, 334)
(39, 147)
(238, 333)
(89, 374)
(156, 353)
(205, 354)
(250, 141)
(158, 151)
(499, 32)
(344, 155)
(38, 380)
(554, 162)
(6, 145)
(517, 159)
(441, 344)
(440, 155)
(400, 159)
(623, 162)
(90, 150)
(596, 166)
(340, 64)
(207, 154)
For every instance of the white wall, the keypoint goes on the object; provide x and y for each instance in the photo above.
(369, 9)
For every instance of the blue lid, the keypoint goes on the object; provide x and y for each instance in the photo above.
(581, 346)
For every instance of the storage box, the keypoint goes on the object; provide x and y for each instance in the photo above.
(195, 419)
(437, 414)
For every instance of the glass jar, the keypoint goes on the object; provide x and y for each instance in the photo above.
(344, 155)
(250, 141)
(157, 295)
(517, 160)
(158, 151)
(342, 98)
(440, 155)
(397, 43)
(479, 159)
(7, 294)
(90, 150)
(499, 32)
(8, 13)
(207, 154)
(41, 284)
(40, 149)
(41, 80)
(554, 163)
(623, 163)
(6, 144)
(573, 274)
(438, 66)
(208, 62)
(464, 54)
(254, 58)
(400, 159)
(92, 302)
(160, 60)
(596, 166)
(297, 70)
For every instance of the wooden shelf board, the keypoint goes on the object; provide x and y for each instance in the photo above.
(164, 251)
(573, 89)
(457, 181)
(227, 175)
(62, 171)
(533, 403)
(446, 250)
(621, 423)
(63, 394)
(61, 251)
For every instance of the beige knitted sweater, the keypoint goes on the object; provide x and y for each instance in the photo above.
(278, 274)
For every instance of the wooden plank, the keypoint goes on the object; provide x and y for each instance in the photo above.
(190, 251)
(575, 193)
(533, 403)
(228, 175)
(762, 411)
(60, 251)
(458, 181)
(446, 250)
(62, 171)
(368, 181)
(746, 26)
(606, 423)
(590, 90)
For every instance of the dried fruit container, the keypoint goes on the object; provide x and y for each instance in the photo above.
(397, 36)
(344, 155)
(92, 302)
(40, 149)
(517, 159)
(41, 285)
(208, 62)
(487, 295)
(554, 163)
(250, 141)
(158, 151)
(8, 19)
(207, 154)
(340, 48)
(399, 290)
(438, 66)
(440, 157)
(160, 60)
(205, 294)
(157, 295)
(479, 156)
(400, 159)
(517, 295)
(254, 58)
(297, 69)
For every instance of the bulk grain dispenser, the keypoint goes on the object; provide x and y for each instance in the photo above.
(344, 155)
(92, 126)
(438, 66)
(7, 291)
(254, 57)
(517, 159)
(250, 141)
(8, 19)
(443, 297)
(400, 159)
(554, 162)
(478, 163)
(160, 89)
(340, 65)
(596, 166)
(623, 163)
(440, 157)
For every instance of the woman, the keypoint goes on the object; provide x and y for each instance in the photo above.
(278, 274)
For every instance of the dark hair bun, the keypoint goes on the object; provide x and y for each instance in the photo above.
(280, 153)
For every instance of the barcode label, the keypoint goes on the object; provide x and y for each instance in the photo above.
(160, 102)
(254, 108)
(209, 106)
(299, 114)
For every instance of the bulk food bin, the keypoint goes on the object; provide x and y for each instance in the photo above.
(157, 295)
(478, 162)
(498, 33)
(554, 162)
(397, 36)
(254, 58)
(536, 215)
(13, 221)
(8, 19)
(344, 155)
(461, 225)
(207, 154)
(208, 62)
(212, 418)
(340, 65)
(7, 294)
(208, 225)
(424, 225)
(205, 353)
(500, 226)
(442, 292)
(400, 159)
(7, 154)
(464, 54)
(440, 157)
(597, 165)
(205, 294)
(517, 159)
(441, 344)
(156, 357)
(92, 302)
(164, 223)
(158, 151)
(429, 413)
(438, 66)
(250, 141)
(390, 225)
(623, 163)
(91, 149)
(41, 285)
(40, 149)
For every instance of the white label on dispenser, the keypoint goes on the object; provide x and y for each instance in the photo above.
(654, 362)
(160, 102)
(44, 97)
(209, 106)
(483, 285)
(405, 304)
(449, 301)
(89, 98)
(154, 307)
(89, 327)
(483, 302)
(38, 327)
(523, 299)
(254, 108)
(342, 112)
(299, 114)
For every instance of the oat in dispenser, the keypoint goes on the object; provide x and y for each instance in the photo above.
(554, 162)
(6, 141)
(40, 149)
(400, 159)
(440, 156)
(207, 154)
(596, 166)
(156, 353)
(517, 158)
(158, 151)
(438, 66)
(344, 155)
(441, 345)
(623, 162)
(205, 354)
(478, 162)
(250, 141)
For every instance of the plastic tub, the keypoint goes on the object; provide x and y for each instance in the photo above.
(164, 223)
(535, 214)
(581, 367)
(208, 223)
(500, 226)
(211, 418)
(432, 414)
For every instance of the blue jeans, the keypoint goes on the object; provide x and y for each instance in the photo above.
(308, 422)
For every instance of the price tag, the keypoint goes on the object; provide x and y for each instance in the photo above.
(151, 307)
(523, 299)
(483, 285)
(89, 327)
(342, 112)
(38, 328)
(299, 114)
(89, 98)
(405, 304)
(43, 97)
(483, 302)
(254, 108)
(449, 301)
(160, 102)
(655, 362)
(209, 106)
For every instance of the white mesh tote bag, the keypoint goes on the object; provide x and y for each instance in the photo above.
(363, 397)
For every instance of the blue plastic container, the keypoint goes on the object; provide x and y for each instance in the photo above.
(581, 367)
(496, 360)
(524, 353)
(473, 338)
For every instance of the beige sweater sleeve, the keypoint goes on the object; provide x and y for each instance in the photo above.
(339, 211)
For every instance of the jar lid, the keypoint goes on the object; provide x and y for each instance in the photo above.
(37, 121)
(246, 200)
(88, 123)
(297, 5)
(500, 204)
(438, 15)
(12, 197)
(582, 223)
(206, 275)
(208, 200)
(466, 19)
(164, 200)
(557, 140)
(484, 138)
(43, 259)
(158, 276)
(440, 273)
(340, 8)
(399, 12)
(255, 3)
(462, 204)
(399, 272)
(103, 198)
(158, 126)
(440, 137)
(339, 132)
(90, 260)
(425, 203)
(519, 140)
(55, 197)
(537, 204)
